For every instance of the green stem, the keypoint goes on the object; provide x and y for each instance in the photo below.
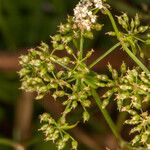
(78, 81)
(104, 55)
(81, 46)
(136, 60)
(113, 22)
(75, 44)
(11, 143)
(106, 115)
(139, 39)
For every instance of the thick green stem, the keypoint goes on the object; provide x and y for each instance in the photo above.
(106, 115)
(104, 55)
(10, 143)
(124, 46)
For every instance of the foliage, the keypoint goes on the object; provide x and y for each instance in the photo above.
(69, 77)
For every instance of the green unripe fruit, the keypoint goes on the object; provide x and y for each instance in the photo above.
(57, 37)
(98, 27)
(74, 145)
(60, 47)
(69, 50)
(86, 116)
(147, 42)
(88, 35)
(137, 20)
(142, 28)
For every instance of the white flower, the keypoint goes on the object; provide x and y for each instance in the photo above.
(98, 3)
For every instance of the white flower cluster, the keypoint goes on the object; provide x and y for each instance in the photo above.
(83, 15)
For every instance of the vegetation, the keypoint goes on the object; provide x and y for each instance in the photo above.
(62, 69)
(71, 77)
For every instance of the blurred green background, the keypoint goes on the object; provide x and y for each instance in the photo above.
(24, 24)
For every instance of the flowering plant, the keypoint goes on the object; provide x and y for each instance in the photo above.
(72, 79)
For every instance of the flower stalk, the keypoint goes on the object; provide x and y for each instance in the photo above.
(104, 55)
